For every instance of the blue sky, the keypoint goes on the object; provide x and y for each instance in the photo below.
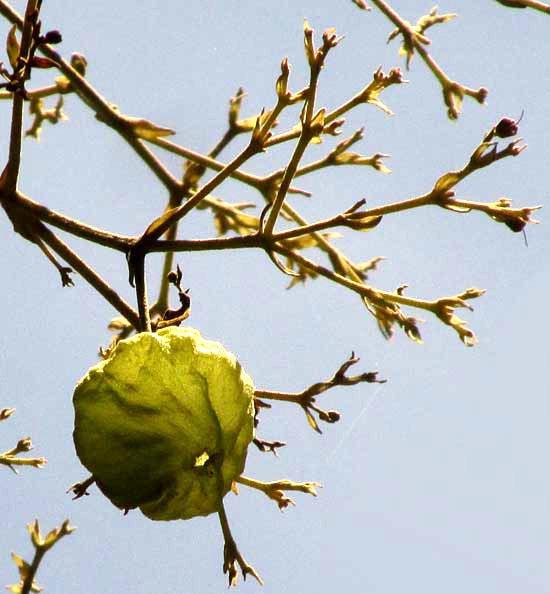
(433, 482)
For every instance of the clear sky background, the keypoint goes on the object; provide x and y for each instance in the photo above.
(436, 481)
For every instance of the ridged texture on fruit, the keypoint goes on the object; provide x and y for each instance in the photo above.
(164, 424)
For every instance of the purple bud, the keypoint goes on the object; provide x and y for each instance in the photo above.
(516, 225)
(53, 37)
(506, 127)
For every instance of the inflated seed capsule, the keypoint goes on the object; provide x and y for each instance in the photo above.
(164, 423)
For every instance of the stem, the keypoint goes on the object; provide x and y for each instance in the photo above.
(210, 163)
(358, 99)
(141, 292)
(437, 71)
(12, 461)
(260, 242)
(226, 530)
(295, 397)
(29, 578)
(232, 553)
(175, 200)
(199, 245)
(290, 170)
(416, 41)
(21, 71)
(90, 275)
(40, 93)
(339, 219)
(285, 183)
(11, 173)
(104, 110)
(73, 226)
(362, 289)
(181, 211)
(148, 157)
(413, 36)
(161, 303)
(271, 486)
(535, 4)
(242, 176)
(400, 23)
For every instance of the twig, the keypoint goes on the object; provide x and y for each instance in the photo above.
(414, 40)
(41, 93)
(21, 73)
(306, 398)
(232, 555)
(379, 300)
(161, 225)
(27, 571)
(10, 458)
(535, 4)
(90, 276)
(276, 489)
(81, 489)
(311, 124)
(105, 111)
(75, 227)
(193, 173)
(141, 292)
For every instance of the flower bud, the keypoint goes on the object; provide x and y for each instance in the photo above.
(24, 445)
(79, 63)
(172, 278)
(53, 37)
(506, 127)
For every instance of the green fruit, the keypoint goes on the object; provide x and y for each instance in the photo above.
(164, 423)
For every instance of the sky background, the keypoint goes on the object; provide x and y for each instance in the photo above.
(436, 481)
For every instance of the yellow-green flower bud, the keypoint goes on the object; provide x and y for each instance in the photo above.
(164, 423)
